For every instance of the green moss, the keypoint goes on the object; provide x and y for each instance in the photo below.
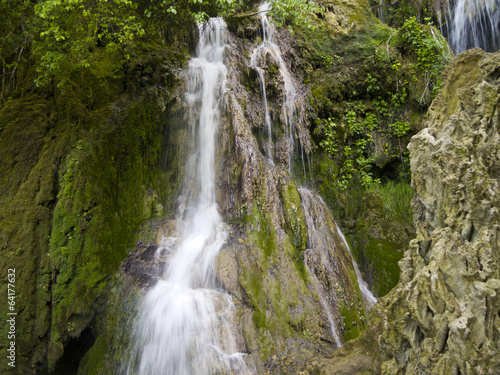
(262, 233)
(80, 170)
(295, 222)
(353, 322)
(109, 352)
(100, 206)
(383, 256)
(272, 301)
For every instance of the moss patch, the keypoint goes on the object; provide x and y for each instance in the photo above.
(80, 170)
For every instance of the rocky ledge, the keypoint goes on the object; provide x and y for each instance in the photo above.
(443, 317)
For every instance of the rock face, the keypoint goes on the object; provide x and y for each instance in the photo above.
(265, 263)
(444, 315)
(292, 294)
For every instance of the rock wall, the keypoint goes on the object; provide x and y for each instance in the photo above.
(444, 315)
(79, 173)
(282, 320)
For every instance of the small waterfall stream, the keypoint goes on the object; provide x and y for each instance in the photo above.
(258, 55)
(181, 328)
(267, 51)
(317, 242)
(474, 23)
(368, 298)
(320, 235)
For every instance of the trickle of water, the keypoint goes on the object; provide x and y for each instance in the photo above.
(381, 10)
(319, 240)
(318, 237)
(269, 50)
(368, 298)
(474, 23)
(182, 326)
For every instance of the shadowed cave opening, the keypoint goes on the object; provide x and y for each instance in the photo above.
(74, 350)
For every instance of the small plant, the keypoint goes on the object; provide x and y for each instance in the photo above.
(371, 121)
(372, 84)
(329, 142)
(327, 60)
(430, 50)
(395, 65)
(400, 128)
(354, 126)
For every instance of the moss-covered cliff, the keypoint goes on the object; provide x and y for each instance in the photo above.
(82, 167)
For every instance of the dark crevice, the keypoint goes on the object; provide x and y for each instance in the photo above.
(429, 310)
(74, 350)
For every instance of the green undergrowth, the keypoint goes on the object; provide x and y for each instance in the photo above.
(396, 197)
(369, 90)
(377, 221)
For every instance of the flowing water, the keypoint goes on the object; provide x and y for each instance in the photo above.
(368, 298)
(321, 243)
(268, 51)
(258, 57)
(321, 234)
(474, 23)
(381, 10)
(182, 324)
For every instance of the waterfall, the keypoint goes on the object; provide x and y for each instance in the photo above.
(381, 10)
(474, 23)
(368, 298)
(320, 233)
(257, 57)
(182, 322)
(268, 51)
(318, 242)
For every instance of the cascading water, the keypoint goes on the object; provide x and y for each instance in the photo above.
(258, 54)
(368, 298)
(313, 205)
(316, 242)
(181, 327)
(268, 49)
(474, 23)
(381, 10)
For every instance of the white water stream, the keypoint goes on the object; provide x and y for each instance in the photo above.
(316, 243)
(182, 325)
(267, 51)
(474, 23)
(314, 206)
(368, 298)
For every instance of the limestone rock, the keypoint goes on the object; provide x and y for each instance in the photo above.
(444, 315)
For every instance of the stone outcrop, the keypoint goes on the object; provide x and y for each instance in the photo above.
(444, 315)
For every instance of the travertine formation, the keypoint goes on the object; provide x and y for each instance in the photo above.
(444, 315)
